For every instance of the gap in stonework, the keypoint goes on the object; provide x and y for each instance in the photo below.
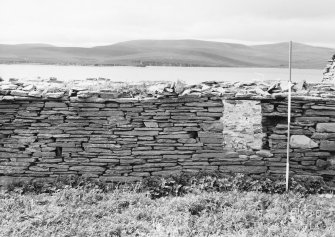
(59, 151)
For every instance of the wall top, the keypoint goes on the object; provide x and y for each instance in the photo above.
(329, 71)
(261, 90)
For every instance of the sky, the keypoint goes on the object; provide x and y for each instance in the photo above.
(101, 22)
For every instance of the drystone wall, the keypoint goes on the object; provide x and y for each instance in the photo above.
(103, 135)
(329, 71)
(114, 139)
(312, 140)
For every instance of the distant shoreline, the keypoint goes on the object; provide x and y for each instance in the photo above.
(128, 65)
(123, 65)
(154, 73)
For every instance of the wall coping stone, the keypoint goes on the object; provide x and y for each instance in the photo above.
(222, 90)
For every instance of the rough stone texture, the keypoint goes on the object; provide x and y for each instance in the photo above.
(114, 139)
(312, 139)
(242, 128)
(325, 127)
(243, 169)
(301, 141)
(329, 71)
(327, 145)
(104, 135)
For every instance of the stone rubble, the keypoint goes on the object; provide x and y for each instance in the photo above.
(329, 71)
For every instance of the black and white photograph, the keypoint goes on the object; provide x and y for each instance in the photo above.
(167, 118)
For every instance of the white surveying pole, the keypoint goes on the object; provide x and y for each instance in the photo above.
(289, 116)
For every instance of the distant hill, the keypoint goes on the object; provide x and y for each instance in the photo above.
(170, 53)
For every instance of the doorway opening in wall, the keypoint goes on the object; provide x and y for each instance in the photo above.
(242, 125)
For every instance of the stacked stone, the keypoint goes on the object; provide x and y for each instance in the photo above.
(104, 135)
(100, 136)
(329, 71)
(312, 141)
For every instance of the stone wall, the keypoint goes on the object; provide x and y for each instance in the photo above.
(312, 141)
(329, 71)
(114, 139)
(46, 134)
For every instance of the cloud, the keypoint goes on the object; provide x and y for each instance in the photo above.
(93, 22)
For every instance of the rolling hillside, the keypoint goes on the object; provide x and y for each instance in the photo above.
(170, 53)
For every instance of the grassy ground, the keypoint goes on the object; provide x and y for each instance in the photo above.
(80, 212)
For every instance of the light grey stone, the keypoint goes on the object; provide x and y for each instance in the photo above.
(302, 141)
(325, 127)
(327, 145)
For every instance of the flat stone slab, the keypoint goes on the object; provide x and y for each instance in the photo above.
(325, 127)
(302, 141)
(312, 119)
(327, 145)
(243, 169)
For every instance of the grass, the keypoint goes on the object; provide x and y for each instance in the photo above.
(91, 212)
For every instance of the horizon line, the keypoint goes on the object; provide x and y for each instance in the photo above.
(214, 41)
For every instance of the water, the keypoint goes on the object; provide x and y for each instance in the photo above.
(191, 75)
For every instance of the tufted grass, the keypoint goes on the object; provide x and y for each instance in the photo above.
(91, 212)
